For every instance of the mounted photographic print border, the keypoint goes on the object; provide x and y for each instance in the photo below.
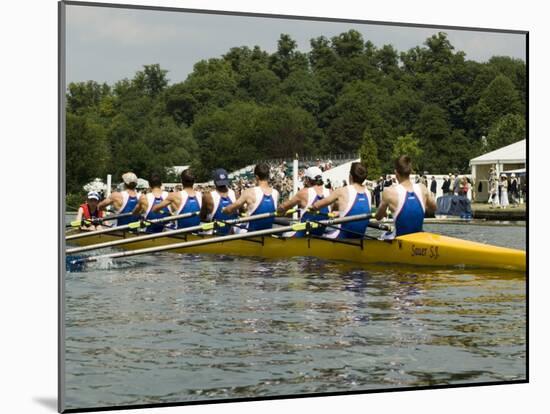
(354, 282)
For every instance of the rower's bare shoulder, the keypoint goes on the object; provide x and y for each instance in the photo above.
(389, 194)
(115, 196)
(174, 195)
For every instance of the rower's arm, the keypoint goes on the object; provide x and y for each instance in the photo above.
(207, 205)
(103, 204)
(141, 206)
(79, 214)
(383, 207)
(164, 203)
(288, 204)
(326, 201)
(241, 201)
(431, 205)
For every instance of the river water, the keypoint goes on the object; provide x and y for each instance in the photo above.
(178, 328)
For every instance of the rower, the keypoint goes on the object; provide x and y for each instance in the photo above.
(353, 199)
(258, 200)
(185, 201)
(124, 201)
(89, 211)
(150, 200)
(407, 201)
(313, 191)
(214, 202)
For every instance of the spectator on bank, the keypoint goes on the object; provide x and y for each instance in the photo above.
(514, 196)
(451, 183)
(504, 191)
(445, 187)
(456, 184)
(433, 186)
(463, 186)
(378, 191)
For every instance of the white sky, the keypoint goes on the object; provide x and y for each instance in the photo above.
(108, 44)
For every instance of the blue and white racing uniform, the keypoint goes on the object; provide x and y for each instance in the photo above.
(149, 215)
(129, 203)
(265, 203)
(358, 203)
(409, 215)
(189, 204)
(220, 202)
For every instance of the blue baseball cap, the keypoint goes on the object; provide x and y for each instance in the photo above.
(220, 177)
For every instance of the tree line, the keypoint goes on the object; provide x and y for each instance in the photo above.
(344, 95)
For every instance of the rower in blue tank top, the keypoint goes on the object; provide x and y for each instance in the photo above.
(215, 201)
(131, 202)
(185, 201)
(409, 216)
(353, 199)
(258, 200)
(407, 201)
(148, 201)
(312, 192)
(191, 203)
(124, 201)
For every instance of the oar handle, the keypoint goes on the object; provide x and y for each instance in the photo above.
(377, 225)
(97, 220)
(380, 226)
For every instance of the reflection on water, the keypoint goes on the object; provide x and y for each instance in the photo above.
(169, 327)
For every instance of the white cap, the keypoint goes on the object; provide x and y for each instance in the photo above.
(313, 173)
(513, 175)
(93, 194)
(129, 177)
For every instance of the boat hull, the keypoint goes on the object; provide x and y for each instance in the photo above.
(418, 249)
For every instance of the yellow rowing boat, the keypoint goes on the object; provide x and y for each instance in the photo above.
(422, 249)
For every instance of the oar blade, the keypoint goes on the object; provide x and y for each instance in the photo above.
(75, 264)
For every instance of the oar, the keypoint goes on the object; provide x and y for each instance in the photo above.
(377, 225)
(131, 226)
(267, 232)
(98, 220)
(200, 227)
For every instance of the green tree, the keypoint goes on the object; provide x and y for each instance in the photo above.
(321, 54)
(226, 138)
(303, 90)
(387, 59)
(282, 131)
(433, 131)
(87, 151)
(151, 80)
(348, 44)
(357, 108)
(507, 130)
(368, 152)
(408, 145)
(287, 58)
(264, 86)
(498, 99)
(84, 96)
(212, 84)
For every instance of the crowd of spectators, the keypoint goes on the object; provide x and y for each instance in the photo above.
(281, 176)
(503, 191)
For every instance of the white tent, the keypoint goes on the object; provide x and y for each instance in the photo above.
(506, 159)
(337, 175)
